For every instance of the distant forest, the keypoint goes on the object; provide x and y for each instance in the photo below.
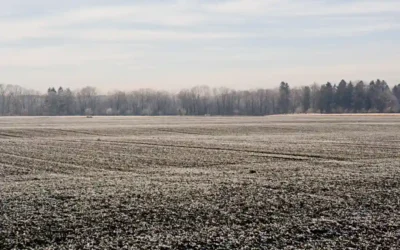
(344, 97)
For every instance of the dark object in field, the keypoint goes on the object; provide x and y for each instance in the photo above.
(252, 172)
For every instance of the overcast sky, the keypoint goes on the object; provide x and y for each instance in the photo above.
(127, 44)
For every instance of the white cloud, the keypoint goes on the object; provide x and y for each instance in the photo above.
(176, 20)
(92, 44)
(161, 14)
(293, 8)
(344, 31)
(244, 6)
(67, 55)
(146, 35)
(115, 35)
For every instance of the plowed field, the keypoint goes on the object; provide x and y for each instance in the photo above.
(279, 182)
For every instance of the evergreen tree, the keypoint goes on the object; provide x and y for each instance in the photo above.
(306, 102)
(284, 98)
(348, 99)
(327, 98)
(396, 91)
(51, 104)
(341, 95)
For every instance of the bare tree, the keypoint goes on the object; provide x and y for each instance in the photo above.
(201, 100)
(87, 98)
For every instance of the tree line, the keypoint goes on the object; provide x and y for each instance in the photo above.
(344, 97)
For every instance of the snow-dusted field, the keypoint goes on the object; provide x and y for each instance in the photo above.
(295, 181)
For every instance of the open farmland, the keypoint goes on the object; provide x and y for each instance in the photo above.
(279, 182)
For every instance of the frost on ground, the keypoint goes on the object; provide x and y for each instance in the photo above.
(280, 182)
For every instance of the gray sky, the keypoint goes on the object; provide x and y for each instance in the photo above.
(176, 44)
